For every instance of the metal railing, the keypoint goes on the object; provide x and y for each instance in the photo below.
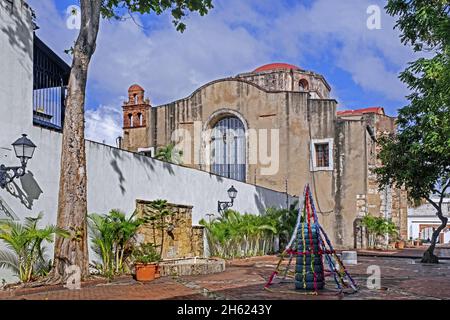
(50, 77)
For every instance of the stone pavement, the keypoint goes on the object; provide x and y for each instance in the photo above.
(442, 251)
(401, 278)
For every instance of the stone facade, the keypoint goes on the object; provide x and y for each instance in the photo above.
(181, 241)
(292, 111)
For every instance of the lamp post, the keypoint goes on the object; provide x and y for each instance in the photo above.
(224, 205)
(24, 150)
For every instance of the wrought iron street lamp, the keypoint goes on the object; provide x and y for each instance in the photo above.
(224, 205)
(24, 150)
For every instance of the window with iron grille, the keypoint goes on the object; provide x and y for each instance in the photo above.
(228, 149)
(50, 78)
(322, 155)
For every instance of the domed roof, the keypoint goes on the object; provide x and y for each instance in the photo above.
(276, 66)
(135, 87)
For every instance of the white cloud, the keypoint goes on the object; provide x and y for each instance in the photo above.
(338, 29)
(235, 37)
(103, 124)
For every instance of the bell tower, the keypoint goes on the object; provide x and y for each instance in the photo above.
(136, 120)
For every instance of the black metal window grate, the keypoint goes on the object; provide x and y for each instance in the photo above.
(50, 79)
(228, 149)
(322, 155)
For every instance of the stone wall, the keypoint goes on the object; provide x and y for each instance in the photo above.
(180, 241)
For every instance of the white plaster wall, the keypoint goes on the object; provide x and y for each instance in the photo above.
(415, 222)
(116, 178)
(426, 214)
(16, 72)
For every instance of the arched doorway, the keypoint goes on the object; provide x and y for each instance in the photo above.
(358, 235)
(228, 148)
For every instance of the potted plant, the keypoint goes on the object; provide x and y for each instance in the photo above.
(400, 244)
(146, 260)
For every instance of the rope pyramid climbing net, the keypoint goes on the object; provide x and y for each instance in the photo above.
(313, 251)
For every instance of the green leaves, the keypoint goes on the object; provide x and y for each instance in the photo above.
(378, 226)
(424, 23)
(418, 157)
(170, 154)
(26, 255)
(146, 254)
(179, 9)
(112, 237)
(242, 235)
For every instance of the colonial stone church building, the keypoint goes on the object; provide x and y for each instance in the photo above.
(277, 127)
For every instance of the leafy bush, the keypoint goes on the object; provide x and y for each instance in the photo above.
(378, 226)
(285, 221)
(112, 237)
(146, 254)
(170, 154)
(240, 235)
(26, 254)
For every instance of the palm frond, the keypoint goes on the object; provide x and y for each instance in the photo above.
(8, 260)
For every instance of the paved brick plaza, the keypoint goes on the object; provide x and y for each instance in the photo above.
(402, 278)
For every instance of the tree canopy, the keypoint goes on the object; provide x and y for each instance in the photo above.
(418, 155)
(178, 8)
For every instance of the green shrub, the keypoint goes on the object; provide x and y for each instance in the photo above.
(26, 254)
(240, 235)
(112, 236)
(146, 254)
(378, 226)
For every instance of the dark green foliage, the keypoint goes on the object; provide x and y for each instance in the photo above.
(418, 156)
(170, 154)
(243, 235)
(26, 255)
(146, 254)
(112, 236)
(178, 8)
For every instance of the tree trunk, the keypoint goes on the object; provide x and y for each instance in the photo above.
(72, 202)
(428, 255)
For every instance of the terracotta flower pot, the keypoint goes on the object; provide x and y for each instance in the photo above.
(145, 272)
(400, 244)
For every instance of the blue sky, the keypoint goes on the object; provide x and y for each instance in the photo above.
(326, 36)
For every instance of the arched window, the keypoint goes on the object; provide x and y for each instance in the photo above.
(130, 119)
(135, 98)
(140, 119)
(229, 149)
(303, 84)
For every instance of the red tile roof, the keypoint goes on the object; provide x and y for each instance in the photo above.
(276, 66)
(377, 110)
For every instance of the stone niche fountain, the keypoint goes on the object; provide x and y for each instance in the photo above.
(183, 245)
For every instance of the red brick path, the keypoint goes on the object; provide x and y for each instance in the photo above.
(244, 279)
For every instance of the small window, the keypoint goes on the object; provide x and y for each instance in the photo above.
(304, 85)
(322, 155)
(140, 119)
(135, 98)
(130, 119)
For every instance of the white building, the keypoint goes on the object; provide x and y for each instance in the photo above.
(422, 221)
